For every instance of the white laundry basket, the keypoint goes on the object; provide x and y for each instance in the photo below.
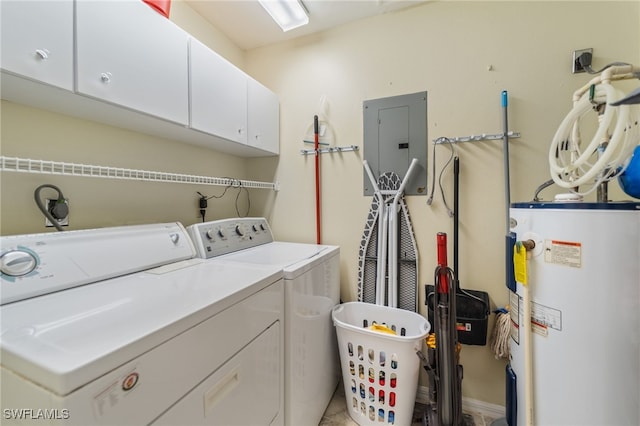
(379, 370)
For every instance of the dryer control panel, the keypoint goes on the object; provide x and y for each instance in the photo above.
(224, 236)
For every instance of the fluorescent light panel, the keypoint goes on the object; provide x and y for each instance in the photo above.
(289, 14)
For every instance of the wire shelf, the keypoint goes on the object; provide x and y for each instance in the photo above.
(27, 165)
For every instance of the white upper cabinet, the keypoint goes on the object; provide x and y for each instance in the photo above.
(122, 63)
(218, 94)
(263, 117)
(130, 55)
(37, 40)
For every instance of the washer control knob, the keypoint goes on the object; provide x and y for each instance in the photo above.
(210, 234)
(17, 263)
(221, 233)
(262, 227)
(239, 230)
(255, 228)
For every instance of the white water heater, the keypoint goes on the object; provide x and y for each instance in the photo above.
(584, 292)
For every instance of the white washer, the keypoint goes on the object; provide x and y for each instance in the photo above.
(137, 331)
(312, 289)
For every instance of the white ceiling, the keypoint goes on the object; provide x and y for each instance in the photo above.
(248, 25)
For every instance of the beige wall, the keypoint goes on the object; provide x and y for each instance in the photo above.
(463, 54)
(445, 48)
(190, 21)
(38, 134)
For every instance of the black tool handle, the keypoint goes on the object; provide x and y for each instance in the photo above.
(456, 196)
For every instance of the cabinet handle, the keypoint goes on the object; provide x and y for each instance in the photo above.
(42, 54)
(105, 77)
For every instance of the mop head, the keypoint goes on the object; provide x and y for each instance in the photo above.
(500, 335)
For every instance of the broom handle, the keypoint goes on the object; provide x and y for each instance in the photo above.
(505, 149)
(317, 168)
(456, 196)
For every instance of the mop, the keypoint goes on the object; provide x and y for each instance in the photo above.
(500, 334)
(387, 258)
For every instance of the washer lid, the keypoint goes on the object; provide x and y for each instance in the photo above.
(64, 340)
(292, 258)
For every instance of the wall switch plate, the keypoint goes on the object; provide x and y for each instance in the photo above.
(577, 66)
(63, 221)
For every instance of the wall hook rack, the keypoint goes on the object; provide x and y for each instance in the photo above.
(26, 165)
(329, 150)
(476, 138)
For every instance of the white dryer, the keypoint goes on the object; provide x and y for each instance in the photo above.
(123, 326)
(312, 288)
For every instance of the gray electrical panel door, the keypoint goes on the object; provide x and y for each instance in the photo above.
(395, 132)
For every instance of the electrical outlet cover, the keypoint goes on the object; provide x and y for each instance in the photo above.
(577, 67)
(62, 222)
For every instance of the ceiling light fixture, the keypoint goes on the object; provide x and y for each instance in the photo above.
(289, 14)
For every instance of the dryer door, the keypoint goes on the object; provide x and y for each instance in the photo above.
(244, 391)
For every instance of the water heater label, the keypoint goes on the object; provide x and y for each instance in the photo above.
(563, 253)
(544, 316)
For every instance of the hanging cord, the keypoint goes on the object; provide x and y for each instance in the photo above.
(233, 183)
(585, 58)
(540, 188)
(433, 176)
(240, 188)
(501, 333)
(60, 209)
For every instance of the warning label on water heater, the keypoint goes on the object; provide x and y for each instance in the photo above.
(563, 253)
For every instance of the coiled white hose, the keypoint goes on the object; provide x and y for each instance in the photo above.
(571, 165)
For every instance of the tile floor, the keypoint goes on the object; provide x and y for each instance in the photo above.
(337, 415)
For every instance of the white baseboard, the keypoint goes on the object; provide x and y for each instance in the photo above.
(468, 404)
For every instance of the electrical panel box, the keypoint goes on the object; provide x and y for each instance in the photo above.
(395, 132)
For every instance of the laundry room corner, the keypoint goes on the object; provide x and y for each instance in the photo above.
(464, 54)
(235, 197)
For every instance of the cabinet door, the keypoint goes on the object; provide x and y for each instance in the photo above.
(37, 40)
(263, 118)
(130, 55)
(218, 94)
